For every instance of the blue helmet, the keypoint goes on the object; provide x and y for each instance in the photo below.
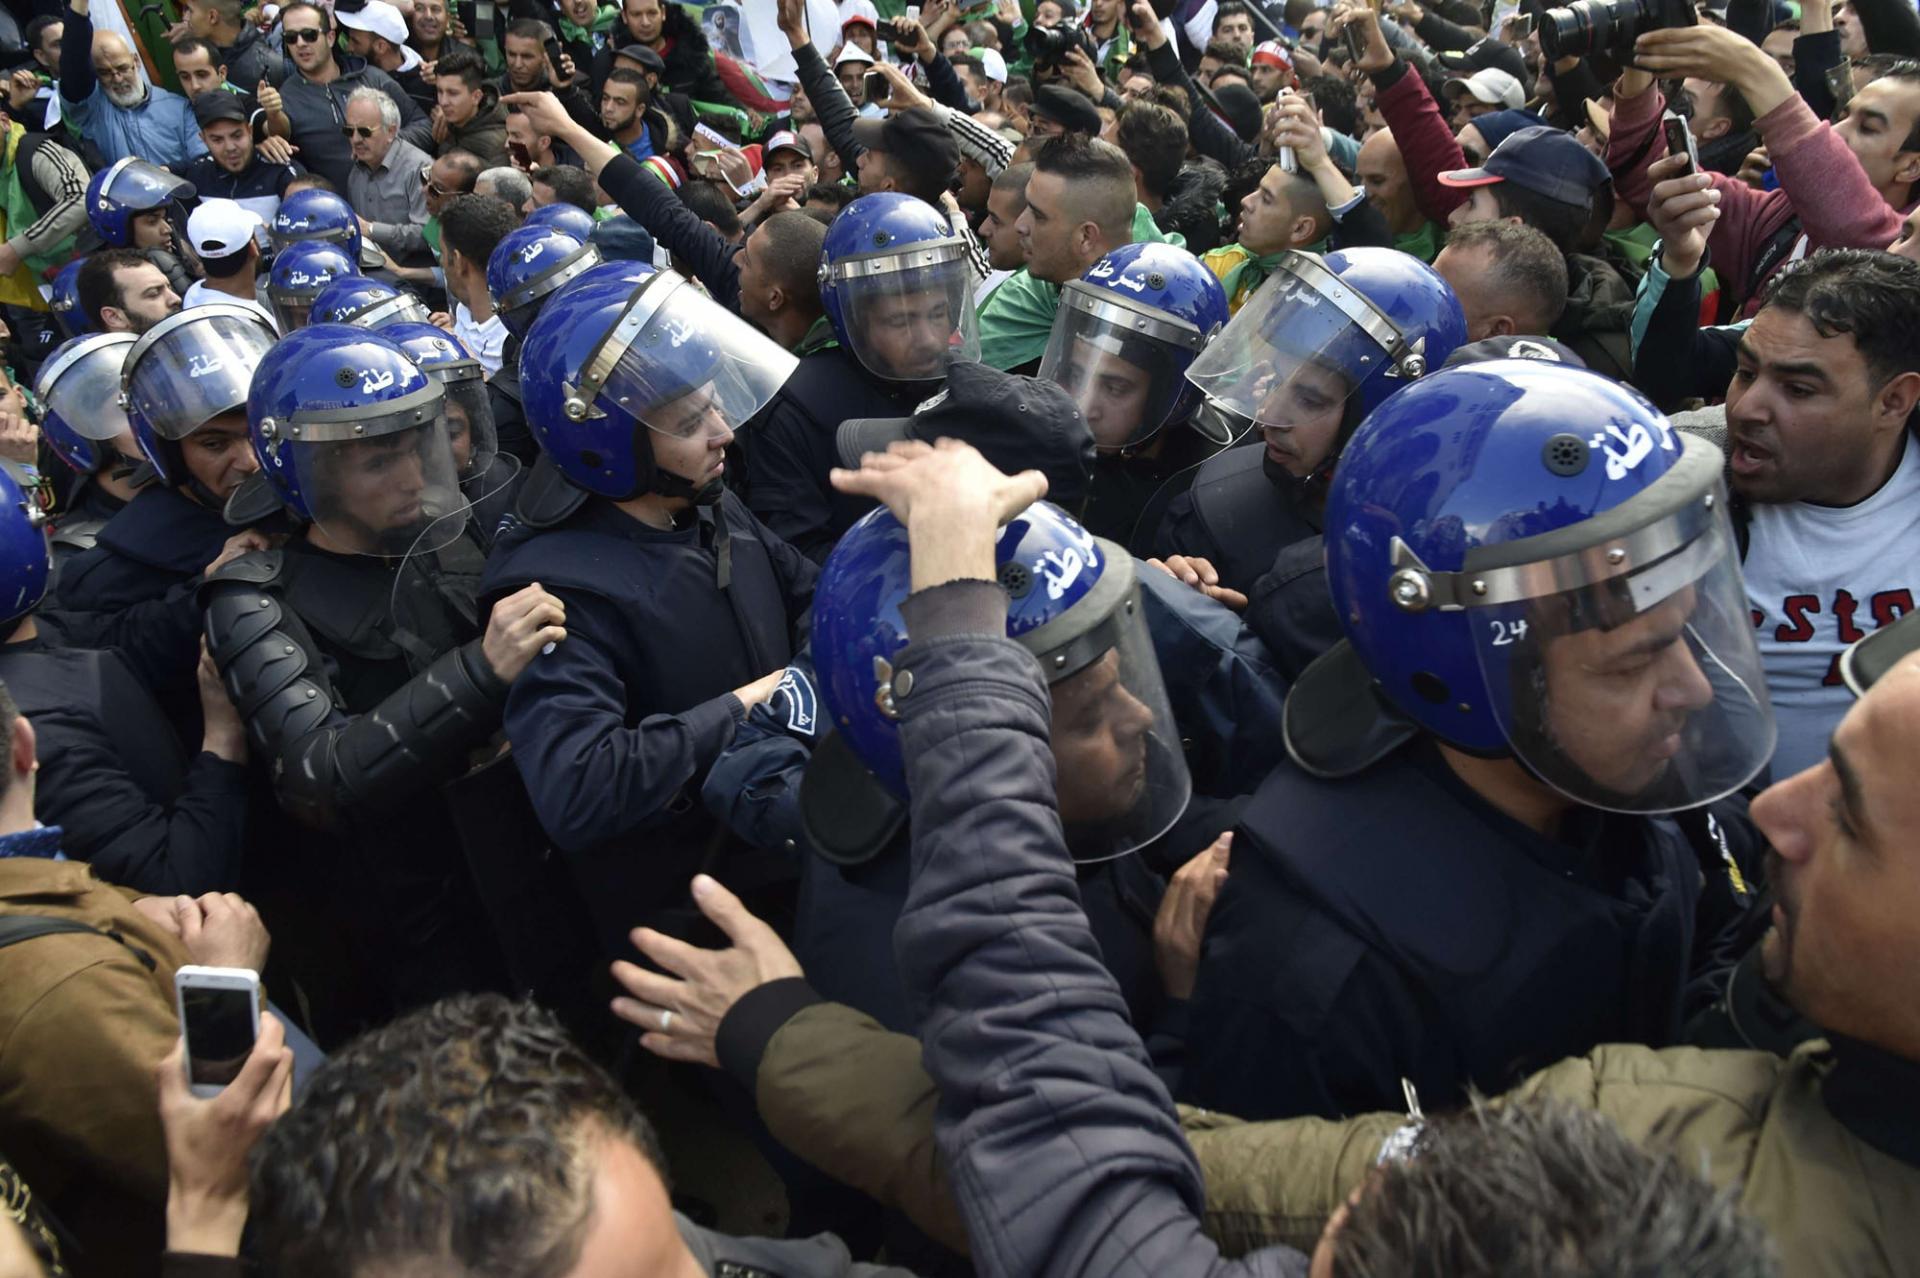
(1123, 338)
(314, 214)
(66, 300)
(79, 390)
(1075, 604)
(300, 271)
(365, 302)
(896, 258)
(528, 265)
(568, 219)
(26, 561)
(607, 365)
(1342, 331)
(185, 371)
(1528, 561)
(352, 436)
(125, 189)
(469, 406)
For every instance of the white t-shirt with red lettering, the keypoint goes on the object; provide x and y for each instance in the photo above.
(1819, 578)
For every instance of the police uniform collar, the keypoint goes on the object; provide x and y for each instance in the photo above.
(166, 529)
(1871, 1093)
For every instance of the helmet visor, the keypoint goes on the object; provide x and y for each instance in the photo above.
(391, 493)
(1124, 366)
(85, 392)
(685, 365)
(1121, 776)
(139, 185)
(470, 427)
(403, 309)
(910, 314)
(1296, 351)
(1637, 685)
(195, 368)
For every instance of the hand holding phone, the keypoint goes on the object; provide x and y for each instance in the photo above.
(219, 1021)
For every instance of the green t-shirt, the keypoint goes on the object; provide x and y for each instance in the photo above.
(1018, 318)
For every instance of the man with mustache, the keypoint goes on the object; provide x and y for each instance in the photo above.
(105, 98)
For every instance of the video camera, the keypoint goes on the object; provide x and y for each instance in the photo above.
(1587, 27)
(1049, 46)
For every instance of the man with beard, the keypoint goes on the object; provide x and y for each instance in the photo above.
(105, 98)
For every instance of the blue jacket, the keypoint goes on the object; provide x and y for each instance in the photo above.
(161, 129)
(1065, 1153)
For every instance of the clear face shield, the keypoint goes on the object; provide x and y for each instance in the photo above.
(682, 364)
(194, 366)
(404, 309)
(378, 480)
(1624, 672)
(1124, 365)
(1120, 774)
(1298, 349)
(470, 429)
(910, 314)
(82, 389)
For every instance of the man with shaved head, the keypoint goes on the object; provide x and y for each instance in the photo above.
(105, 94)
(1383, 173)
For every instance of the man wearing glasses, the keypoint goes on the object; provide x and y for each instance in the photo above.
(385, 187)
(105, 98)
(440, 180)
(316, 83)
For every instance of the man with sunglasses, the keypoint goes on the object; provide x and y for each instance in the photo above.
(385, 187)
(315, 83)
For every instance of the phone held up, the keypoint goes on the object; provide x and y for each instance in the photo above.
(219, 1021)
(1680, 140)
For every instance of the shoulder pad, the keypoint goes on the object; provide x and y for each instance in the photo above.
(255, 568)
(77, 534)
(1229, 462)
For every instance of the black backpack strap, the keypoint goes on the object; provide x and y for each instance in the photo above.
(15, 928)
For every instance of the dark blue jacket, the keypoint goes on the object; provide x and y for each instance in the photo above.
(1396, 925)
(1065, 1152)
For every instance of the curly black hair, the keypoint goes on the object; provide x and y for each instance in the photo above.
(457, 1135)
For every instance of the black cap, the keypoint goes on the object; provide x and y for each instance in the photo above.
(645, 56)
(1488, 52)
(1071, 109)
(209, 107)
(915, 139)
(1240, 108)
(1017, 423)
(1513, 347)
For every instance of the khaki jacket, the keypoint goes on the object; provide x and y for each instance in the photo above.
(83, 1023)
(852, 1099)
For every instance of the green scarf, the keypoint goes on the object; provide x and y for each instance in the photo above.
(603, 20)
(820, 337)
(1247, 275)
(21, 288)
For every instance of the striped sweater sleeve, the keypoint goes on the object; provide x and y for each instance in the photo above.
(62, 176)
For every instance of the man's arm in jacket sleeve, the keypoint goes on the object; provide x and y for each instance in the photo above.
(831, 105)
(1210, 137)
(943, 83)
(1838, 206)
(1674, 358)
(1064, 1147)
(1441, 35)
(1427, 145)
(77, 81)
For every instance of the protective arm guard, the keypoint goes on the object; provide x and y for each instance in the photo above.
(326, 760)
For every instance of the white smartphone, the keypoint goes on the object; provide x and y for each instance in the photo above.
(219, 1020)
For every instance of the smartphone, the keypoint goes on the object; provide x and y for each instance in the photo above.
(1520, 26)
(1680, 140)
(554, 53)
(520, 157)
(878, 90)
(219, 1020)
(1840, 84)
(1351, 39)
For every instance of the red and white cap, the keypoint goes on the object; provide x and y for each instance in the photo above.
(859, 12)
(1272, 53)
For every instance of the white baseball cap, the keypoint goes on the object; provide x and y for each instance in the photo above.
(377, 17)
(221, 228)
(852, 52)
(1492, 86)
(992, 65)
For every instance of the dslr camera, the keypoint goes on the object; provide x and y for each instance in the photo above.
(1049, 46)
(1587, 27)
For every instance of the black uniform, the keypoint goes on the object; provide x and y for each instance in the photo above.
(1396, 925)
(114, 777)
(614, 730)
(365, 689)
(1238, 515)
(1130, 492)
(85, 512)
(1291, 609)
(790, 450)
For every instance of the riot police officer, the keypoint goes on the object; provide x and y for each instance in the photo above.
(184, 387)
(529, 265)
(85, 425)
(365, 302)
(137, 205)
(112, 774)
(368, 673)
(1122, 340)
(898, 292)
(300, 273)
(681, 606)
(491, 479)
(314, 214)
(1322, 344)
(67, 313)
(1465, 872)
